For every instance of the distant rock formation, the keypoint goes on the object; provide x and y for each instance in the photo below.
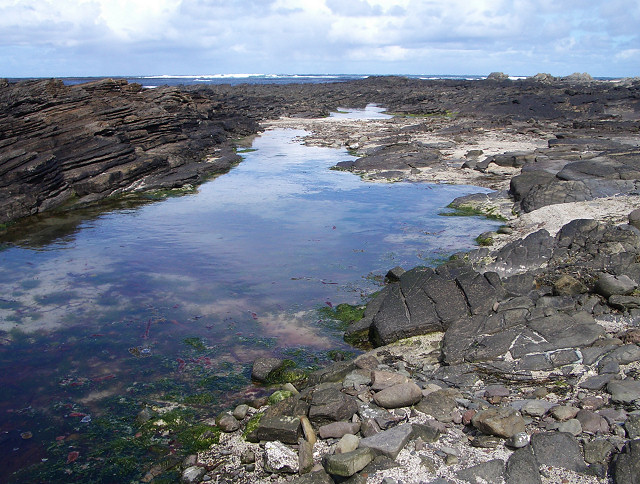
(77, 144)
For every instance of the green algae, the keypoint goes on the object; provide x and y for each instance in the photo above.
(252, 424)
(344, 313)
(288, 372)
(278, 396)
(472, 211)
(196, 343)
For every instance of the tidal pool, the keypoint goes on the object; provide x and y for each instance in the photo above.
(107, 310)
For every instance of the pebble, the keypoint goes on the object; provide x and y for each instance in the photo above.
(521, 439)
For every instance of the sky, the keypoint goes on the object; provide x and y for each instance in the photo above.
(58, 38)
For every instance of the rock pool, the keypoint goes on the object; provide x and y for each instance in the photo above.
(110, 309)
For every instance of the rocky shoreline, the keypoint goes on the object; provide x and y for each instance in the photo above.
(516, 362)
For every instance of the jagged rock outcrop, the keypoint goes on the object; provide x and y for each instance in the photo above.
(77, 144)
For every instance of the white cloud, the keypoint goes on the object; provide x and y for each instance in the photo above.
(375, 36)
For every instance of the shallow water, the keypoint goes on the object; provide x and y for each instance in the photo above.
(173, 300)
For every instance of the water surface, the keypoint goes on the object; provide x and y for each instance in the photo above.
(171, 301)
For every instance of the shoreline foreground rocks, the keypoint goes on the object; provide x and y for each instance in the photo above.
(515, 362)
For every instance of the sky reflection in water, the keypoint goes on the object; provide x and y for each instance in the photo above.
(242, 265)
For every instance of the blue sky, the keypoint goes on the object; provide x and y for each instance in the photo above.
(128, 37)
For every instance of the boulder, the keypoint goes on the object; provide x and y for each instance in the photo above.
(279, 428)
(522, 468)
(384, 379)
(624, 391)
(346, 465)
(608, 285)
(402, 395)
(490, 471)
(439, 405)
(558, 449)
(227, 422)
(626, 465)
(331, 405)
(501, 421)
(263, 366)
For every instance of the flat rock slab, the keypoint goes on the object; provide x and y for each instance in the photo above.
(558, 449)
(280, 428)
(439, 405)
(624, 391)
(390, 442)
(346, 465)
(490, 471)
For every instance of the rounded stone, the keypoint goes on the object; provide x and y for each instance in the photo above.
(572, 426)
(402, 395)
(227, 422)
(564, 412)
(517, 441)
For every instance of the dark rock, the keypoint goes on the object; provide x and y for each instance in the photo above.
(305, 456)
(317, 477)
(380, 463)
(634, 218)
(597, 382)
(607, 285)
(624, 303)
(624, 391)
(486, 441)
(394, 274)
(632, 426)
(227, 422)
(558, 449)
(598, 451)
(490, 471)
(626, 465)
(439, 405)
(426, 432)
(532, 252)
(331, 405)
(522, 468)
(567, 285)
(263, 366)
(592, 422)
(335, 372)
(622, 355)
(283, 428)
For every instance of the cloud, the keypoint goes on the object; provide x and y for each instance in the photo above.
(74, 37)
